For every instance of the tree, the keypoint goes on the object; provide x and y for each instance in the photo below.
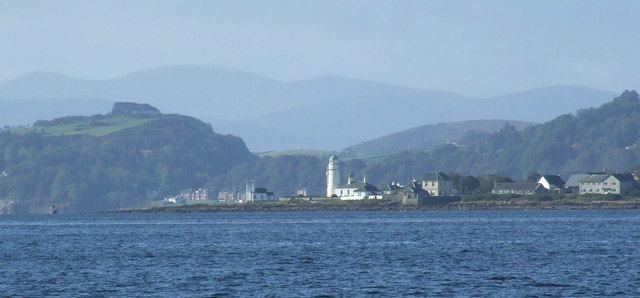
(533, 177)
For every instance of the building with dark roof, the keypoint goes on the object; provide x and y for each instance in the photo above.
(358, 190)
(437, 184)
(256, 194)
(552, 183)
(413, 195)
(392, 188)
(573, 183)
(518, 188)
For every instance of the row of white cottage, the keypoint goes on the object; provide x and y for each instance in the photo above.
(589, 183)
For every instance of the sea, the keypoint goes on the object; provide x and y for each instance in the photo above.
(328, 254)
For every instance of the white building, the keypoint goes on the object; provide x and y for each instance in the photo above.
(200, 194)
(358, 190)
(333, 176)
(552, 183)
(607, 184)
(253, 194)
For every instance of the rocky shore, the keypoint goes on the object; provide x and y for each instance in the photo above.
(383, 205)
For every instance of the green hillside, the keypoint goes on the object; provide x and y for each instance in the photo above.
(428, 136)
(91, 126)
(126, 158)
(303, 152)
(607, 137)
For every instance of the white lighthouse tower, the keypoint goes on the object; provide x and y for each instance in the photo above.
(333, 175)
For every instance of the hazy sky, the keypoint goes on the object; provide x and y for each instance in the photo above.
(475, 48)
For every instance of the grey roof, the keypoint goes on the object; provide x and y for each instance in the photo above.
(260, 190)
(517, 186)
(436, 176)
(624, 177)
(360, 186)
(415, 190)
(554, 180)
(596, 178)
(574, 180)
(414, 184)
(393, 187)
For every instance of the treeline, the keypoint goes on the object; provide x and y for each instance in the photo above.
(172, 152)
(123, 169)
(591, 140)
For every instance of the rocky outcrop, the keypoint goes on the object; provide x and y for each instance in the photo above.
(134, 109)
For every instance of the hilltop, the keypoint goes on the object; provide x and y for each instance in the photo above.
(123, 115)
(121, 159)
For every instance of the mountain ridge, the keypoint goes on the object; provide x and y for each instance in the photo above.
(327, 112)
(430, 135)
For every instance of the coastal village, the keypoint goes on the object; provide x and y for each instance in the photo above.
(433, 188)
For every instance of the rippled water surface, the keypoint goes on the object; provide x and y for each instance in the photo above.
(566, 253)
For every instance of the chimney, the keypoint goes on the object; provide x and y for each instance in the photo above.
(364, 179)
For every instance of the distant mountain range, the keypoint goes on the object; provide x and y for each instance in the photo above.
(26, 111)
(428, 136)
(326, 113)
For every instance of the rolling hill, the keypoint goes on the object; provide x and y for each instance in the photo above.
(125, 158)
(326, 113)
(428, 136)
(606, 137)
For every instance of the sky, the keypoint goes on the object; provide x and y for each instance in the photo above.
(475, 48)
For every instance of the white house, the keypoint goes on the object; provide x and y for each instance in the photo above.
(517, 188)
(552, 183)
(253, 194)
(607, 184)
(358, 190)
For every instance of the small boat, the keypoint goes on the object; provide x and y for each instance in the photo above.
(53, 209)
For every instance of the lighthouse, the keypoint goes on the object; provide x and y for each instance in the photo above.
(333, 175)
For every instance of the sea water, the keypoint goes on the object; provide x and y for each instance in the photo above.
(503, 253)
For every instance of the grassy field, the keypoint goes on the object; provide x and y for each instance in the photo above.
(314, 153)
(89, 126)
(319, 154)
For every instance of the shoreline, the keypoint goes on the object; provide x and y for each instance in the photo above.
(378, 206)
